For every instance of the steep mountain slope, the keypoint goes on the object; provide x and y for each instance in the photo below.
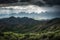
(53, 25)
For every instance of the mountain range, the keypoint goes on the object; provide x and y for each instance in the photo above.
(23, 25)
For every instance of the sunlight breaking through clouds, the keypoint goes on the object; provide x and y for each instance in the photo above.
(28, 9)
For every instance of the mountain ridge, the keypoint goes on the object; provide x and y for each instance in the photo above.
(25, 24)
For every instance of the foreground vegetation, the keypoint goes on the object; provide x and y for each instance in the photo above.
(30, 36)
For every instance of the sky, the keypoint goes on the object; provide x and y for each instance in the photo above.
(37, 9)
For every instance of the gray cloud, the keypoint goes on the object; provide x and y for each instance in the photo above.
(52, 2)
(35, 2)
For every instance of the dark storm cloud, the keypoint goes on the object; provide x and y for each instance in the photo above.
(35, 2)
(52, 2)
(25, 0)
(7, 1)
(12, 1)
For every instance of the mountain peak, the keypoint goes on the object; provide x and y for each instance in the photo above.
(12, 17)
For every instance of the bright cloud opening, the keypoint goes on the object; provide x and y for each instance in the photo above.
(28, 9)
